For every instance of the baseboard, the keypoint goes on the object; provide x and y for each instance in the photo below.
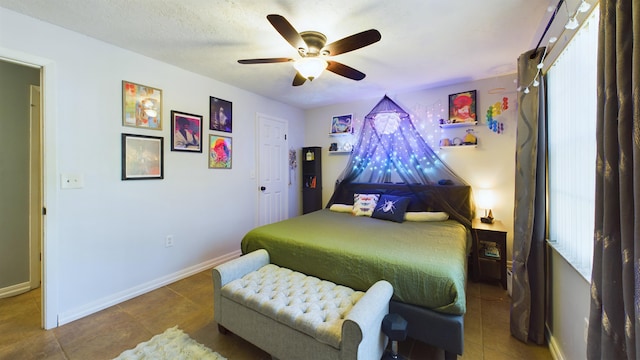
(554, 349)
(101, 304)
(14, 290)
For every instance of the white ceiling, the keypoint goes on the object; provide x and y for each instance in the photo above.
(425, 43)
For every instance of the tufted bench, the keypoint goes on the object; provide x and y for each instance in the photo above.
(294, 316)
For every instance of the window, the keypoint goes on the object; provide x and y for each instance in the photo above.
(571, 106)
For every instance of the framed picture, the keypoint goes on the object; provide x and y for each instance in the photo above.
(186, 133)
(220, 114)
(141, 106)
(219, 152)
(342, 124)
(462, 107)
(142, 157)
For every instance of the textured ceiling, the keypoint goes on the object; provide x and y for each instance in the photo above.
(425, 43)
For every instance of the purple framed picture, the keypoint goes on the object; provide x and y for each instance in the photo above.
(186, 134)
(220, 114)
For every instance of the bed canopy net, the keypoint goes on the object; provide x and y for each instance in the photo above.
(390, 150)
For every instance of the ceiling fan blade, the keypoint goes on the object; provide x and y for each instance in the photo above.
(287, 31)
(298, 79)
(344, 70)
(264, 61)
(353, 42)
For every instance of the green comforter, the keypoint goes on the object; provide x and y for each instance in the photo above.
(425, 262)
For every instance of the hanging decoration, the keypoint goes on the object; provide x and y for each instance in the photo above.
(391, 150)
(572, 24)
(293, 163)
(430, 128)
(493, 112)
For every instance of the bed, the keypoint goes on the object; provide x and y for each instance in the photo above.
(425, 261)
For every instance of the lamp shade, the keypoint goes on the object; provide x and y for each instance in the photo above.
(310, 67)
(485, 198)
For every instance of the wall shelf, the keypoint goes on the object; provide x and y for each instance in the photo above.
(340, 134)
(459, 146)
(339, 152)
(460, 124)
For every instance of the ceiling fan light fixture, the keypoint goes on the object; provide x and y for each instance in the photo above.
(310, 67)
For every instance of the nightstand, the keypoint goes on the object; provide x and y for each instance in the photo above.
(489, 252)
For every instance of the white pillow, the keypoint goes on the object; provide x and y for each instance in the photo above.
(426, 216)
(343, 208)
(364, 204)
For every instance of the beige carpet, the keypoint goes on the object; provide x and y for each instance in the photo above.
(172, 344)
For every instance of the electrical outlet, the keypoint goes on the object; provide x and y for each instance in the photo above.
(168, 241)
(71, 181)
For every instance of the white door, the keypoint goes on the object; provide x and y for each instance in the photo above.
(272, 169)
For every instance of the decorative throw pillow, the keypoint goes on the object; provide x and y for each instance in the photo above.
(341, 208)
(426, 216)
(391, 208)
(364, 204)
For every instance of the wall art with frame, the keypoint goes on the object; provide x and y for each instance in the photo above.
(462, 107)
(219, 152)
(141, 106)
(342, 124)
(220, 114)
(186, 134)
(142, 157)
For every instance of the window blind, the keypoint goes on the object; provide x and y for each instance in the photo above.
(571, 114)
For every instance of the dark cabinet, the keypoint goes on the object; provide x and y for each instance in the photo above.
(489, 257)
(311, 179)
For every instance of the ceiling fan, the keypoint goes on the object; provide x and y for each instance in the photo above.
(313, 51)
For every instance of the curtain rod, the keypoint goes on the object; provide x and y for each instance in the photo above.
(533, 55)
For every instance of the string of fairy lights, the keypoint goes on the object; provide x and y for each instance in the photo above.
(572, 24)
(396, 154)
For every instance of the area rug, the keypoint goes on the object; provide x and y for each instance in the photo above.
(173, 344)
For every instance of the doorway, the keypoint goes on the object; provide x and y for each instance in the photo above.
(22, 191)
(272, 169)
(35, 187)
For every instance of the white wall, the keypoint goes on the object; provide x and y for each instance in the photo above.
(490, 165)
(106, 240)
(569, 301)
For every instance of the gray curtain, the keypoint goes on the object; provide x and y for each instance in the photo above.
(615, 280)
(528, 281)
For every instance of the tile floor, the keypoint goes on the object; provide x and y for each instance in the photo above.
(188, 304)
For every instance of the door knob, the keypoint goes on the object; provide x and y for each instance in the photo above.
(262, 188)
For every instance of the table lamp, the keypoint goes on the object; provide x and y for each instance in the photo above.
(485, 201)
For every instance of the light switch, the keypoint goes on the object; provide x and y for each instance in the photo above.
(71, 181)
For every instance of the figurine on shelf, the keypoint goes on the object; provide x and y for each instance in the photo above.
(487, 219)
(470, 138)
